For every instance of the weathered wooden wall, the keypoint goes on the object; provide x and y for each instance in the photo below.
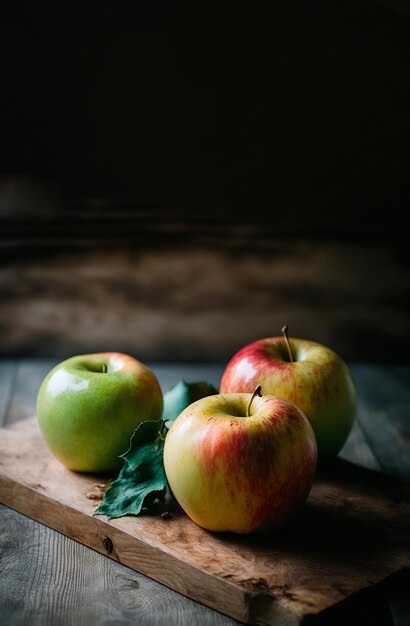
(202, 301)
(175, 191)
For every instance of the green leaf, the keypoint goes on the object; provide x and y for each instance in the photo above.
(182, 395)
(141, 484)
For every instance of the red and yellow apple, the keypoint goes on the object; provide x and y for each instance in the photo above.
(240, 463)
(89, 405)
(308, 374)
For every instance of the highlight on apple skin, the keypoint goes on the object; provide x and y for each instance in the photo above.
(239, 472)
(312, 376)
(89, 405)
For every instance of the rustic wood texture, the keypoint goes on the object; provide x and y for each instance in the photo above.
(352, 533)
(30, 548)
(59, 581)
(8, 371)
(201, 303)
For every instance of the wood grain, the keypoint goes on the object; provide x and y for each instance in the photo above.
(28, 377)
(8, 370)
(196, 303)
(352, 533)
(59, 581)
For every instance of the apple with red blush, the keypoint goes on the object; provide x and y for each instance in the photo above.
(306, 373)
(240, 462)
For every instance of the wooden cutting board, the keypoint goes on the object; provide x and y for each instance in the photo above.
(352, 533)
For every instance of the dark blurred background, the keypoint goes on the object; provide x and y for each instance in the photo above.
(178, 181)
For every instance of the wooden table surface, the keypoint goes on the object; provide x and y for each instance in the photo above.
(49, 579)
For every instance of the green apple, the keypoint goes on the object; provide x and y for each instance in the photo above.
(89, 405)
(240, 463)
(309, 374)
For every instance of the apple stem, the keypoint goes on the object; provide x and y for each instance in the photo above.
(285, 334)
(257, 392)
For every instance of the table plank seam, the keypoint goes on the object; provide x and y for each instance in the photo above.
(10, 395)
